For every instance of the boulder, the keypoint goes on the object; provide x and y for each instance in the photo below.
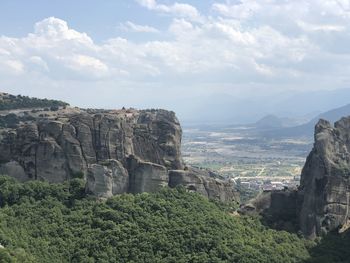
(13, 169)
(107, 179)
(189, 180)
(99, 181)
(199, 180)
(146, 176)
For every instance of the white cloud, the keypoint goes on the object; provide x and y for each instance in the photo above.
(239, 10)
(53, 49)
(320, 27)
(247, 44)
(85, 65)
(176, 9)
(54, 29)
(38, 64)
(150, 4)
(132, 27)
(13, 67)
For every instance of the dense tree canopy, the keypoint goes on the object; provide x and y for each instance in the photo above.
(41, 222)
(10, 102)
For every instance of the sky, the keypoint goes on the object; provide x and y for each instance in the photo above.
(247, 58)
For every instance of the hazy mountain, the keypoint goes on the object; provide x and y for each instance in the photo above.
(269, 121)
(226, 109)
(308, 128)
(272, 122)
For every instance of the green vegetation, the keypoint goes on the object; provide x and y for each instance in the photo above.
(16, 256)
(58, 223)
(332, 248)
(79, 175)
(246, 193)
(12, 120)
(41, 222)
(11, 102)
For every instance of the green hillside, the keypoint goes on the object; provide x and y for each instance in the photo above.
(57, 223)
(11, 102)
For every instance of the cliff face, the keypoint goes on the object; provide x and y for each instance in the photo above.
(322, 202)
(116, 151)
(325, 181)
(66, 142)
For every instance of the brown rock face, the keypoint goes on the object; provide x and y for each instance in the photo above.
(116, 151)
(325, 181)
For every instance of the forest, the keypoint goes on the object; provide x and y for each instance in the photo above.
(11, 102)
(41, 222)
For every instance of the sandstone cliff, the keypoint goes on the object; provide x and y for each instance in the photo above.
(116, 151)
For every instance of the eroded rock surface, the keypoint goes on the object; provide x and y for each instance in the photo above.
(116, 151)
(325, 180)
(54, 148)
(201, 181)
(146, 176)
(107, 179)
(322, 202)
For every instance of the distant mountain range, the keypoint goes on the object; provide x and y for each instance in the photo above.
(273, 126)
(225, 109)
(273, 122)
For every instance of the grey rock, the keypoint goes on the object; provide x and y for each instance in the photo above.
(321, 203)
(325, 181)
(55, 147)
(199, 181)
(99, 181)
(117, 151)
(13, 169)
(107, 179)
(258, 205)
(146, 176)
(188, 179)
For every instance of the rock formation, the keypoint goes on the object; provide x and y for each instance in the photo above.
(322, 202)
(56, 147)
(116, 151)
(146, 176)
(325, 181)
(107, 179)
(201, 181)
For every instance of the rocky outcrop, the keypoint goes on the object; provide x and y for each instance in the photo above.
(200, 181)
(15, 169)
(116, 151)
(146, 176)
(107, 179)
(321, 203)
(325, 181)
(278, 209)
(54, 148)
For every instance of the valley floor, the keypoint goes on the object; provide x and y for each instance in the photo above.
(245, 156)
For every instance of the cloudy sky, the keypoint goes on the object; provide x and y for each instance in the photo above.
(176, 55)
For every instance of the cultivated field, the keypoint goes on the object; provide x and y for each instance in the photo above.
(243, 155)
